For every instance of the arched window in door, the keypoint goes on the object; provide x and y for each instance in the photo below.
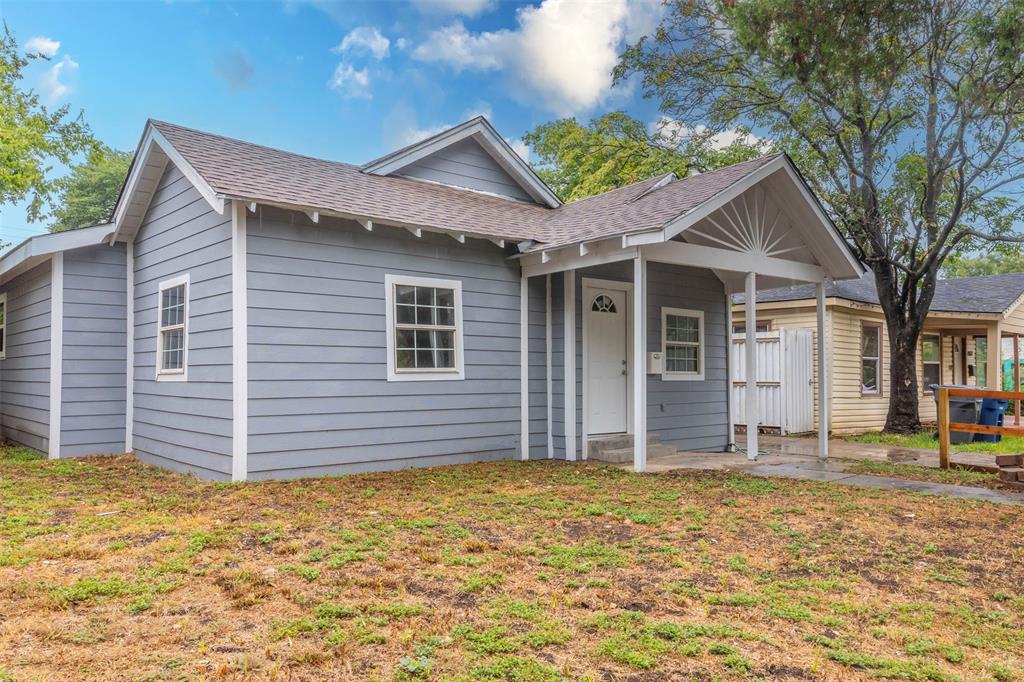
(603, 304)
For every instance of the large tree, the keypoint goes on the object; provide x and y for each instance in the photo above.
(580, 160)
(87, 194)
(904, 115)
(32, 137)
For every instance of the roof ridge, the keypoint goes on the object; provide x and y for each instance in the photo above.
(238, 140)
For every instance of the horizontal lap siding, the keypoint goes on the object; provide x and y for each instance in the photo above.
(185, 426)
(93, 397)
(25, 373)
(538, 382)
(319, 401)
(466, 164)
(691, 415)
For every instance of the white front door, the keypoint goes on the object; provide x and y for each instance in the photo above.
(607, 366)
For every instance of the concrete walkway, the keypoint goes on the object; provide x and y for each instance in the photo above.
(798, 458)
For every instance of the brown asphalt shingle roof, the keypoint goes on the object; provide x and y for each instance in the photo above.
(249, 171)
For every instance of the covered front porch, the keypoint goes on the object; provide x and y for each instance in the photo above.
(627, 337)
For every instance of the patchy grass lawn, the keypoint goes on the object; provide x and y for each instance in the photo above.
(925, 440)
(504, 571)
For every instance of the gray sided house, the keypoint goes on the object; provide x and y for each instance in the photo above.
(251, 313)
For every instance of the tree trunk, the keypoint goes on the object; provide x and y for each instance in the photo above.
(903, 390)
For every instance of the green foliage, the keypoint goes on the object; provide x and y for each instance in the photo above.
(86, 196)
(32, 137)
(580, 160)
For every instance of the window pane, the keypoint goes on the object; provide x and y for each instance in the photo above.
(682, 359)
(405, 338)
(444, 340)
(446, 316)
(683, 329)
(405, 295)
(423, 339)
(446, 359)
(424, 315)
(405, 314)
(930, 348)
(424, 359)
(424, 296)
(869, 343)
(405, 359)
(445, 298)
(931, 375)
(870, 376)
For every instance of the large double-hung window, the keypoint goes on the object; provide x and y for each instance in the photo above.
(424, 328)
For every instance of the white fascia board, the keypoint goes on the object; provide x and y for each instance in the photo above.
(492, 142)
(53, 242)
(151, 137)
(535, 264)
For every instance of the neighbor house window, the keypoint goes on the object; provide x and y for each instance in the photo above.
(3, 326)
(759, 327)
(172, 330)
(682, 342)
(871, 359)
(424, 328)
(981, 361)
(931, 361)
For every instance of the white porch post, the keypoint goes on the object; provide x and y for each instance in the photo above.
(730, 445)
(524, 367)
(547, 357)
(823, 411)
(639, 363)
(751, 373)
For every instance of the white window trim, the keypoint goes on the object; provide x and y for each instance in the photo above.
(172, 374)
(457, 374)
(3, 326)
(924, 363)
(701, 348)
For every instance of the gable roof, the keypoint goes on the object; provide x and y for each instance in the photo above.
(225, 169)
(481, 130)
(981, 294)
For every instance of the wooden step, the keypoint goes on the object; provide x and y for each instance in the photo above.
(1009, 460)
(1011, 474)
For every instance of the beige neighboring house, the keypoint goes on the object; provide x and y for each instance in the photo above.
(975, 323)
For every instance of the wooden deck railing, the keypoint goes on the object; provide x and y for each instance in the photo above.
(945, 426)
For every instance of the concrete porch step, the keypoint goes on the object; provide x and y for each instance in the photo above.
(616, 442)
(625, 455)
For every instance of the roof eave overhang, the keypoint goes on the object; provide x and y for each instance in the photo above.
(367, 221)
(490, 140)
(35, 250)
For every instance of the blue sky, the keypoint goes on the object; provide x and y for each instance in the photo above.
(340, 80)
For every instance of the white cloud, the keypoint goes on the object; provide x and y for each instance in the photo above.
(350, 81)
(675, 132)
(467, 8)
(519, 147)
(562, 51)
(51, 85)
(365, 39)
(42, 45)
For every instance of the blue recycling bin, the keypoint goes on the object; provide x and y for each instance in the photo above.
(992, 412)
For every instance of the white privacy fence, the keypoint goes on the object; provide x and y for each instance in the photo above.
(785, 379)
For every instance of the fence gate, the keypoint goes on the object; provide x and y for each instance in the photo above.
(785, 380)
